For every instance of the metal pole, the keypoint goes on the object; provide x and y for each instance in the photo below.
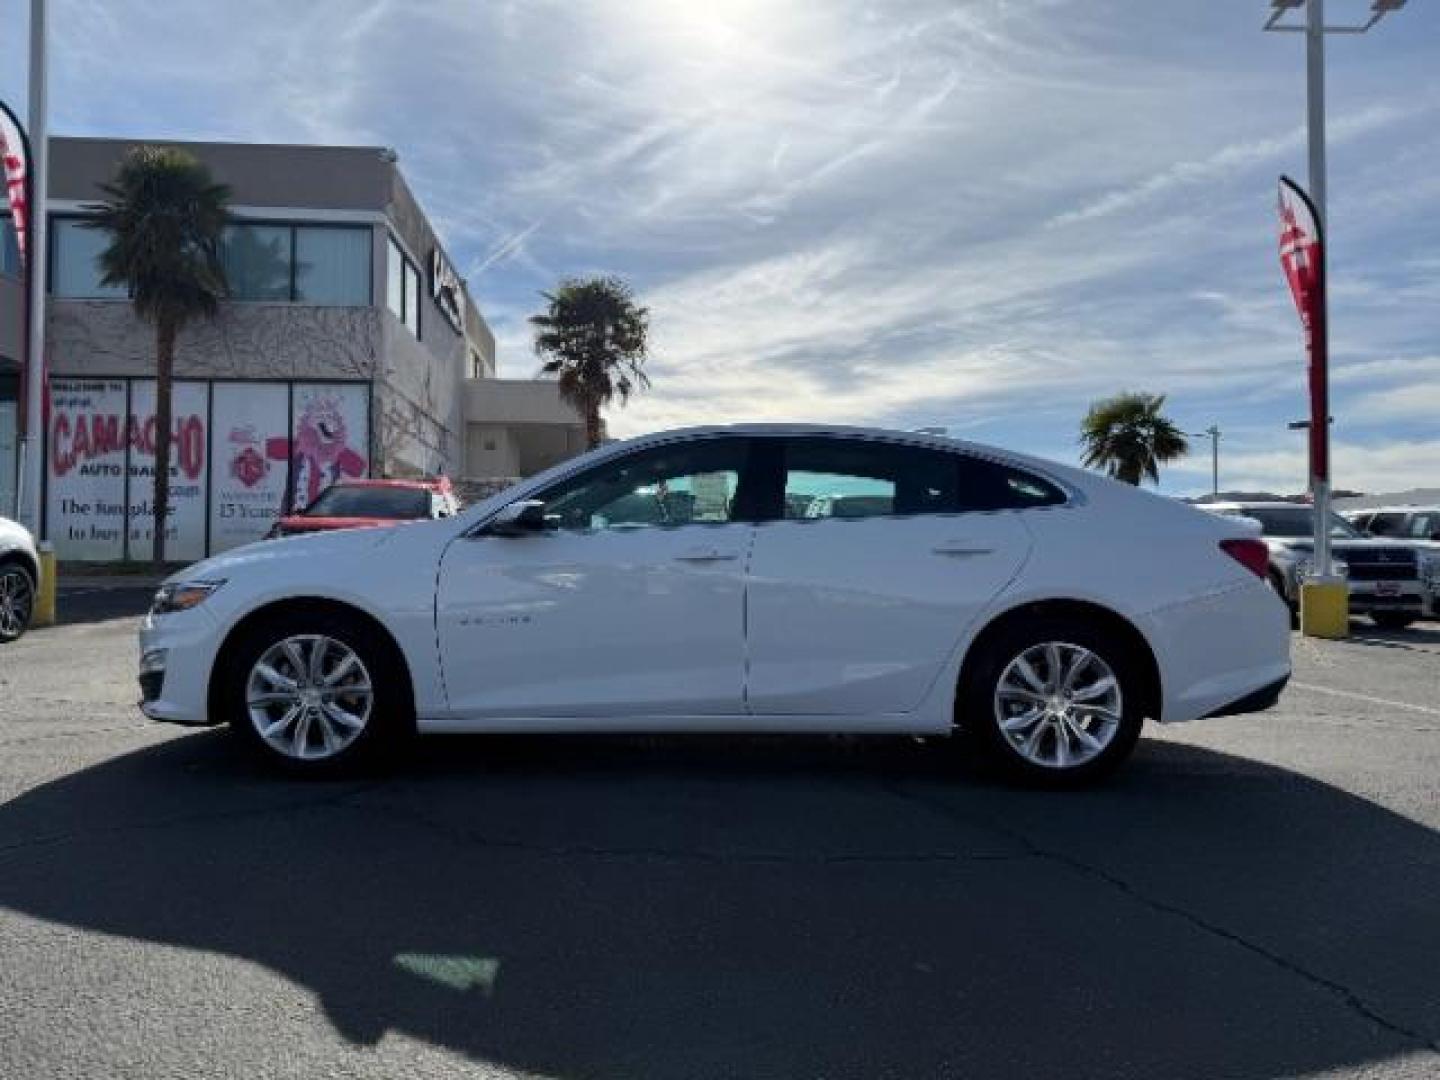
(1320, 431)
(36, 259)
(1214, 434)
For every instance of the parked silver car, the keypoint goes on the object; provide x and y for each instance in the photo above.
(19, 579)
(1385, 577)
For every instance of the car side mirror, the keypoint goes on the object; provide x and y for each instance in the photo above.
(523, 518)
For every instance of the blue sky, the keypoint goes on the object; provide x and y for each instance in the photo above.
(980, 214)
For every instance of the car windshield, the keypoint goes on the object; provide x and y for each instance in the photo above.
(1296, 522)
(371, 502)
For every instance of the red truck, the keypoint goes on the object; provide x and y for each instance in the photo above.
(362, 504)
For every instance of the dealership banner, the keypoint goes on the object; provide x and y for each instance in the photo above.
(189, 474)
(85, 500)
(1302, 257)
(249, 440)
(331, 437)
(236, 448)
(14, 157)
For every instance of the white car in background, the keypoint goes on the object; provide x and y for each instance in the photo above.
(19, 579)
(687, 582)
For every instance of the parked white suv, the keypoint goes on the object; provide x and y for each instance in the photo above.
(693, 581)
(19, 579)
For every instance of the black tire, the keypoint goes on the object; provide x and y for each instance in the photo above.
(17, 594)
(1391, 620)
(1277, 586)
(977, 711)
(391, 721)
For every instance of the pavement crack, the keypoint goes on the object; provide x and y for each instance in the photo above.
(1348, 997)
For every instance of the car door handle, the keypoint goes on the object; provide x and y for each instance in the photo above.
(701, 555)
(961, 548)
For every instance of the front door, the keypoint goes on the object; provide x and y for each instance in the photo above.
(885, 555)
(631, 604)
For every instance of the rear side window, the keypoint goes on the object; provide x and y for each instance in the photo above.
(855, 478)
(989, 485)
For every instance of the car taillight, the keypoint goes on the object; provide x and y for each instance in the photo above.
(1249, 553)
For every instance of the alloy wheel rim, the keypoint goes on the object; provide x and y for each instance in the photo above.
(1058, 705)
(309, 696)
(15, 602)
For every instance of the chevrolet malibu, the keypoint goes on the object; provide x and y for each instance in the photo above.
(741, 579)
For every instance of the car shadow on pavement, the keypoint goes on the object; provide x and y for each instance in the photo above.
(710, 907)
(1421, 634)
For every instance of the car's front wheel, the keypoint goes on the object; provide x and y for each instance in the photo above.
(316, 693)
(1055, 701)
(17, 600)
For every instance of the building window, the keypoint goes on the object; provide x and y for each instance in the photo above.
(257, 261)
(75, 262)
(402, 287)
(477, 364)
(332, 266)
(310, 264)
(9, 250)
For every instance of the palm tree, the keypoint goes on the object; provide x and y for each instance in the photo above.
(595, 338)
(1127, 437)
(165, 216)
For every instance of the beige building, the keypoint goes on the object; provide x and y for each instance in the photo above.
(350, 345)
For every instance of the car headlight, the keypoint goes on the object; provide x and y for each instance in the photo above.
(182, 596)
(1430, 571)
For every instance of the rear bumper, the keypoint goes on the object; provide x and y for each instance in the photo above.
(1258, 701)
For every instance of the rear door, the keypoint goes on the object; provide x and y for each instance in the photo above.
(885, 554)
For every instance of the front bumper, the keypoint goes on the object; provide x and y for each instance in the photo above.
(177, 652)
(1402, 596)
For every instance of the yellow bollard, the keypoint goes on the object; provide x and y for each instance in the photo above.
(1325, 608)
(45, 597)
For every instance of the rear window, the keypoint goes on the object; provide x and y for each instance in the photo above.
(401, 504)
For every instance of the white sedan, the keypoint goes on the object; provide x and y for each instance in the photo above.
(741, 579)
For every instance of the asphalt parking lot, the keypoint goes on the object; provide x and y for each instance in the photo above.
(1253, 897)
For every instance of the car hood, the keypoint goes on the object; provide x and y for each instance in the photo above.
(322, 547)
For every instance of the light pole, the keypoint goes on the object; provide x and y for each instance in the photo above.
(1213, 434)
(1314, 29)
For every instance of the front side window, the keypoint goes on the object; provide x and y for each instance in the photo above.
(75, 262)
(693, 483)
(1294, 523)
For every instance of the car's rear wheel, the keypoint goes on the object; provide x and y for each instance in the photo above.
(1391, 620)
(1055, 701)
(17, 600)
(315, 693)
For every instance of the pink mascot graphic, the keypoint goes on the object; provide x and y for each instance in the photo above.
(321, 453)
